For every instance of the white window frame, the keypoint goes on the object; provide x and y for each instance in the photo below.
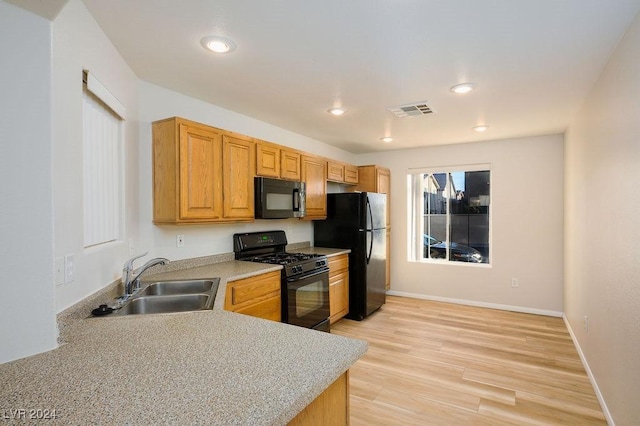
(415, 209)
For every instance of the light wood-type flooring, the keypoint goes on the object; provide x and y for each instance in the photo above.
(432, 363)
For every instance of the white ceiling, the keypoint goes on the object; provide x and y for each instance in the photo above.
(533, 61)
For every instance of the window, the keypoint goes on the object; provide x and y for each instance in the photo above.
(102, 136)
(450, 211)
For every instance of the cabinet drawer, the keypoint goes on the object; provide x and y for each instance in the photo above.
(338, 263)
(253, 288)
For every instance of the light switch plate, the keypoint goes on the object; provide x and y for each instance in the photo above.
(69, 269)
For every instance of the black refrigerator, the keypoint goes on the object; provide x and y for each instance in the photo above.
(357, 221)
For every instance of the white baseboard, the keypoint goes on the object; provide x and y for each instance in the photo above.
(522, 309)
(592, 379)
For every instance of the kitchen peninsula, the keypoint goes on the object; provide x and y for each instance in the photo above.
(212, 367)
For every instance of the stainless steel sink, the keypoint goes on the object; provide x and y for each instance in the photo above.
(163, 297)
(168, 288)
(165, 304)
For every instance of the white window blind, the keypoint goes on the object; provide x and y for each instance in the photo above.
(102, 140)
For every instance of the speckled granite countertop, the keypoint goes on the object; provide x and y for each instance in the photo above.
(206, 367)
(321, 250)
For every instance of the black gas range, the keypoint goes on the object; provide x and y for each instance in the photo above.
(305, 277)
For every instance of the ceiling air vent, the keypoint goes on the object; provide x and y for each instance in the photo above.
(409, 110)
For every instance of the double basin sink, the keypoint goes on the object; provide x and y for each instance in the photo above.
(162, 297)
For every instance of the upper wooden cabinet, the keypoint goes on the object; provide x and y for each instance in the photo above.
(341, 172)
(187, 172)
(376, 179)
(267, 159)
(290, 164)
(277, 161)
(351, 174)
(314, 174)
(200, 173)
(237, 176)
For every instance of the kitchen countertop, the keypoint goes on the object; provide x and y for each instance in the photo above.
(213, 367)
(329, 252)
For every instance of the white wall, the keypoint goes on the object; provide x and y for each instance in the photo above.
(27, 310)
(602, 230)
(79, 43)
(157, 103)
(526, 225)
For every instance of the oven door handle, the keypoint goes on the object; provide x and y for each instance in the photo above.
(308, 275)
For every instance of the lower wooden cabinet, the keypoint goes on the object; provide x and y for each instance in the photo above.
(331, 407)
(257, 296)
(338, 287)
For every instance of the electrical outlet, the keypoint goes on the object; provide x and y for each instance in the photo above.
(69, 269)
(514, 283)
(586, 324)
(179, 240)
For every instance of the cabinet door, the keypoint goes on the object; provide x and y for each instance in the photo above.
(338, 287)
(200, 173)
(267, 160)
(238, 170)
(335, 171)
(338, 296)
(289, 164)
(314, 174)
(350, 174)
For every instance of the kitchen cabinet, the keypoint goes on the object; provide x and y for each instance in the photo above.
(341, 172)
(187, 172)
(237, 170)
(351, 174)
(276, 161)
(314, 174)
(267, 159)
(374, 178)
(201, 174)
(331, 407)
(290, 167)
(338, 287)
(257, 296)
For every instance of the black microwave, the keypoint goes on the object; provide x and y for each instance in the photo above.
(278, 198)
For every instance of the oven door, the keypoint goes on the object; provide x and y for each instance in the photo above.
(307, 302)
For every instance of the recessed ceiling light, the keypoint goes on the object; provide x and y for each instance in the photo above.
(336, 111)
(387, 139)
(480, 129)
(463, 88)
(218, 44)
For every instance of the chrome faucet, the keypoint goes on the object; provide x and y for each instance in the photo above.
(131, 278)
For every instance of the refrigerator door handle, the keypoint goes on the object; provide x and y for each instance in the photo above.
(369, 225)
(369, 230)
